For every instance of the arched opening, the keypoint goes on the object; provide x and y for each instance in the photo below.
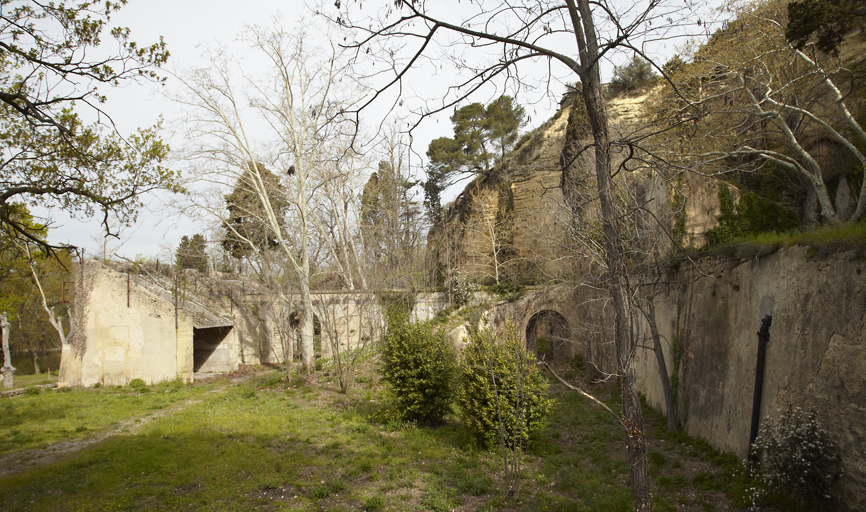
(295, 324)
(548, 335)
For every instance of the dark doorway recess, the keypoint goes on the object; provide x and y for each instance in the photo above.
(295, 335)
(548, 335)
(208, 355)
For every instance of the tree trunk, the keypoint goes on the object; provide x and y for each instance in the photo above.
(670, 406)
(35, 360)
(308, 349)
(8, 370)
(615, 256)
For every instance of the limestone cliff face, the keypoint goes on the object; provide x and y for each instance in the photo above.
(516, 225)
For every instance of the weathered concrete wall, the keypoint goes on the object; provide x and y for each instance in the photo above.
(348, 320)
(584, 308)
(816, 356)
(116, 342)
(427, 305)
(708, 318)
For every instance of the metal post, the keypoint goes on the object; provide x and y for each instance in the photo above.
(763, 339)
(127, 289)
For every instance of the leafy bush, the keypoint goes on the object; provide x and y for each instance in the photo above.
(374, 504)
(420, 368)
(139, 386)
(508, 290)
(796, 456)
(503, 394)
(459, 288)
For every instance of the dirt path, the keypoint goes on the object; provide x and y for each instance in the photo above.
(19, 461)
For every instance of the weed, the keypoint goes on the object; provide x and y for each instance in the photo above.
(374, 504)
(139, 386)
(439, 500)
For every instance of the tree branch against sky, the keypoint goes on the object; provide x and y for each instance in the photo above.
(52, 63)
(756, 101)
(286, 115)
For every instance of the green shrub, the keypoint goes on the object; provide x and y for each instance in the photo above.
(374, 504)
(754, 214)
(420, 368)
(796, 456)
(139, 386)
(458, 288)
(636, 74)
(500, 375)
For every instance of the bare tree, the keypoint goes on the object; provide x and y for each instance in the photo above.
(753, 98)
(542, 31)
(299, 117)
(8, 370)
(489, 236)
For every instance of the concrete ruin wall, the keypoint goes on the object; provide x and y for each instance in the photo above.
(115, 343)
(127, 330)
(816, 356)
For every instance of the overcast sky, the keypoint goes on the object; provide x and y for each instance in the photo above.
(185, 25)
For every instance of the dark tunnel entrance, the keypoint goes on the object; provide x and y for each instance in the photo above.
(209, 355)
(548, 335)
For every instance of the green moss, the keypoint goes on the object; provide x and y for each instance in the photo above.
(753, 215)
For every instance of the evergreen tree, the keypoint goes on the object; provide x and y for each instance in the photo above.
(636, 74)
(192, 253)
(482, 137)
(247, 226)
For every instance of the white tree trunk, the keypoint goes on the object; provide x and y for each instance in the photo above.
(8, 370)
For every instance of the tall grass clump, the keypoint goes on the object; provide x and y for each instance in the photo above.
(420, 369)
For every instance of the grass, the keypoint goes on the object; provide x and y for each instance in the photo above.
(269, 444)
(23, 381)
(39, 418)
(821, 239)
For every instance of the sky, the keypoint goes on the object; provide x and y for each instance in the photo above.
(186, 25)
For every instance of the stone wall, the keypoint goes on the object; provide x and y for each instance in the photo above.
(710, 312)
(816, 356)
(124, 332)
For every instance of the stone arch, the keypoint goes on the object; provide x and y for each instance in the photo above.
(548, 335)
(295, 325)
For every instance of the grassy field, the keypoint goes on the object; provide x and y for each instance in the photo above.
(23, 381)
(267, 444)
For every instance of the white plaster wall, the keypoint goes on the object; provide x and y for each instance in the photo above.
(123, 342)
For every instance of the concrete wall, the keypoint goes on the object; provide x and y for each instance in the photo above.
(427, 305)
(816, 356)
(349, 320)
(116, 343)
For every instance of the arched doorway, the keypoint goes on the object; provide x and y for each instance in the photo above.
(548, 335)
(295, 324)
